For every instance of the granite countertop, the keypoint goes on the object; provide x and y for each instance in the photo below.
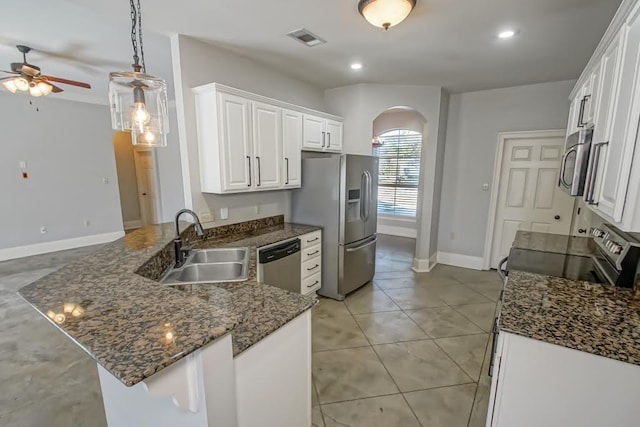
(555, 243)
(110, 304)
(590, 317)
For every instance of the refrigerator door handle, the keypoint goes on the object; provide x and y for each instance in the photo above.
(363, 192)
(364, 245)
(368, 206)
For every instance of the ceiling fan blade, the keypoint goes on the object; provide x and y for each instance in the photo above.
(9, 72)
(6, 78)
(56, 89)
(67, 82)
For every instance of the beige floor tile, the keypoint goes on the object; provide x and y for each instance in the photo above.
(316, 417)
(489, 290)
(389, 327)
(460, 295)
(332, 333)
(369, 301)
(443, 322)
(417, 365)
(394, 274)
(395, 283)
(443, 407)
(348, 374)
(314, 395)
(386, 411)
(414, 298)
(328, 307)
(480, 407)
(480, 314)
(467, 351)
(383, 265)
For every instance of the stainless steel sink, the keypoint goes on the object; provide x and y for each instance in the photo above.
(204, 256)
(210, 266)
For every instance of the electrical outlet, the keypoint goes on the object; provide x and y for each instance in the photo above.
(206, 216)
(87, 223)
(23, 164)
(257, 209)
(224, 213)
(485, 186)
(43, 230)
(105, 180)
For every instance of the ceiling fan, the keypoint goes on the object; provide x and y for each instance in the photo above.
(28, 78)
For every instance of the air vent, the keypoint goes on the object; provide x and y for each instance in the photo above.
(307, 37)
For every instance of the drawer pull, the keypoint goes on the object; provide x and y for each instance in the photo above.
(313, 240)
(313, 284)
(314, 267)
(313, 253)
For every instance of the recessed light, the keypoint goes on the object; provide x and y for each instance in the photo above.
(356, 66)
(506, 34)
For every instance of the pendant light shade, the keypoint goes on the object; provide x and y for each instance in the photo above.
(385, 13)
(138, 100)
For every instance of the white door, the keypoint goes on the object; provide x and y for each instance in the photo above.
(528, 195)
(235, 137)
(292, 144)
(313, 133)
(334, 136)
(147, 185)
(267, 145)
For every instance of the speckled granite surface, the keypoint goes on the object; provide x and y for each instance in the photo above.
(134, 327)
(599, 319)
(556, 243)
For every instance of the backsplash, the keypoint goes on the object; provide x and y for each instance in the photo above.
(157, 264)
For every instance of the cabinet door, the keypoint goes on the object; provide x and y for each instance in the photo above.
(235, 139)
(334, 136)
(291, 147)
(615, 159)
(591, 92)
(574, 111)
(313, 133)
(267, 145)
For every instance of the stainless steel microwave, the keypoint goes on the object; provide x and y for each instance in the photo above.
(575, 162)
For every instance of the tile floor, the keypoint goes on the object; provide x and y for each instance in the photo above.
(408, 350)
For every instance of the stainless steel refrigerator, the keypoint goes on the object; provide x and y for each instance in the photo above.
(340, 194)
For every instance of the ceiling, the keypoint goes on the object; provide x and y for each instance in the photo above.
(449, 43)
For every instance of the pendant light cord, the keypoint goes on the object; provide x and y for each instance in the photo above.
(136, 36)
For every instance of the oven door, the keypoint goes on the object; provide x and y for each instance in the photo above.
(575, 162)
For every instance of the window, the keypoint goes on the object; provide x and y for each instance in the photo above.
(399, 173)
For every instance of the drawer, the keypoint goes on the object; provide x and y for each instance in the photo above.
(311, 252)
(310, 267)
(311, 239)
(311, 284)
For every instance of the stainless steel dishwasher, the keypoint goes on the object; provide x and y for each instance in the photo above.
(279, 265)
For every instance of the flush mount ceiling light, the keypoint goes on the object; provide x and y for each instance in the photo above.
(356, 66)
(506, 34)
(138, 100)
(385, 13)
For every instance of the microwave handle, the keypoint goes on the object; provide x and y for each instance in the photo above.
(592, 174)
(563, 166)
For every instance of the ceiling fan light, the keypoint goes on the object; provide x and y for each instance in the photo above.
(45, 88)
(385, 13)
(21, 84)
(35, 91)
(10, 85)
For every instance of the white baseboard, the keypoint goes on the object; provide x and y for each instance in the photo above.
(129, 225)
(58, 245)
(457, 260)
(425, 265)
(393, 230)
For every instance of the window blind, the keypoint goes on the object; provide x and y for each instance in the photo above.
(399, 172)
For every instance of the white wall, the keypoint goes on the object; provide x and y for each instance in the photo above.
(475, 119)
(197, 63)
(170, 171)
(361, 104)
(68, 148)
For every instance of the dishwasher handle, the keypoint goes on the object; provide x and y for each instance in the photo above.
(502, 272)
(280, 251)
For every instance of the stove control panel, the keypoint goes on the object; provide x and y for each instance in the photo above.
(612, 243)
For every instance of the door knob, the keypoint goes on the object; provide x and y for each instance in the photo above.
(144, 194)
(582, 230)
(557, 217)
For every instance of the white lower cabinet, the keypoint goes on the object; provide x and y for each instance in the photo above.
(311, 270)
(539, 384)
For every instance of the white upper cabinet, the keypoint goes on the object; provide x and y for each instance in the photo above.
(248, 142)
(267, 145)
(291, 146)
(613, 178)
(320, 134)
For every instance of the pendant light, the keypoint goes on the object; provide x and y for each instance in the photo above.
(138, 100)
(385, 13)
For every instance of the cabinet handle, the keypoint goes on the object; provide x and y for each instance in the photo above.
(592, 174)
(313, 284)
(583, 105)
(249, 160)
(259, 177)
(314, 267)
(313, 240)
(313, 253)
(329, 139)
(324, 134)
(286, 160)
(563, 166)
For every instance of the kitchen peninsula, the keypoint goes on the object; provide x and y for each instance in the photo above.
(191, 355)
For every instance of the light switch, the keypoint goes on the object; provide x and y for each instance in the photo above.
(224, 213)
(23, 164)
(105, 180)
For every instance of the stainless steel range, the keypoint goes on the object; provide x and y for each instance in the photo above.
(615, 260)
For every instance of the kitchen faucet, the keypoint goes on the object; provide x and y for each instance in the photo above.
(182, 253)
